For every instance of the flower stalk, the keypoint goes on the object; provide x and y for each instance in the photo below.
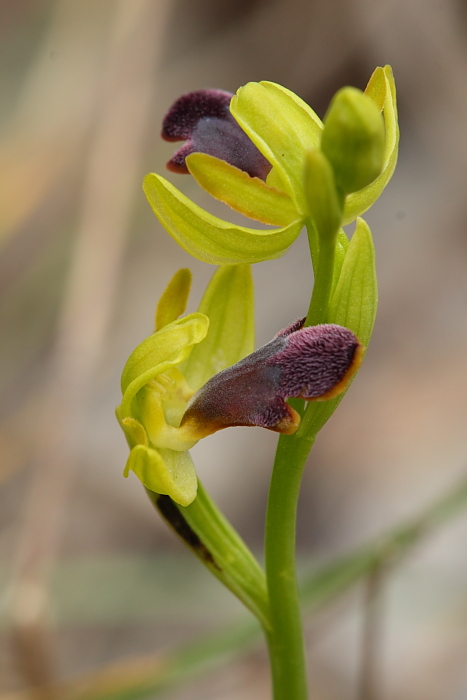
(210, 536)
(285, 641)
(320, 298)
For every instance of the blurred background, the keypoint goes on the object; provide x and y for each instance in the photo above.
(89, 574)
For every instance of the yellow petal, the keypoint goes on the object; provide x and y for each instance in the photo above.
(248, 195)
(174, 299)
(164, 471)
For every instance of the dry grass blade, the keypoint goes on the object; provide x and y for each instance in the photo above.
(140, 678)
(110, 182)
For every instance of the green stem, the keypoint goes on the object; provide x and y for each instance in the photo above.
(285, 641)
(319, 304)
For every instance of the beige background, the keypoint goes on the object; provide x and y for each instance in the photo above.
(82, 263)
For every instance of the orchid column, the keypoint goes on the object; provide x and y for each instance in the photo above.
(265, 153)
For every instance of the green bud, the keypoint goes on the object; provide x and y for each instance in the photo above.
(322, 196)
(353, 139)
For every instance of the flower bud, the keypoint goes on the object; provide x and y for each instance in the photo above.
(353, 139)
(322, 197)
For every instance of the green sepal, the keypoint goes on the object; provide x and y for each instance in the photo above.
(382, 89)
(174, 299)
(300, 107)
(324, 204)
(248, 195)
(376, 87)
(282, 127)
(353, 305)
(353, 139)
(229, 304)
(164, 471)
(160, 352)
(209, 238)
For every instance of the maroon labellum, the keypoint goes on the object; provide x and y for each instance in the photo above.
(314, 363)
(203, 120)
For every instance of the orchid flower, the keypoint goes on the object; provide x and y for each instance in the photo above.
(259, 150)
(194, 375)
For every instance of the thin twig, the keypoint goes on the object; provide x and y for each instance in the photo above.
(371, 634)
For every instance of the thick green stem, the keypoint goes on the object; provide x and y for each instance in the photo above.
(285, 641)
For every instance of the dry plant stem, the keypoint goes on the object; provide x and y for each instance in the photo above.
(110, 181)
(285, 642)
(36, 150)
(371, 635)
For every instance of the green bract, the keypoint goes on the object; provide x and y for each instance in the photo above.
(353, 304)
(354, 300)
(164, 371)
(286, 130)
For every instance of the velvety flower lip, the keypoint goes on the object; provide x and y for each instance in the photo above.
(313, 363)
(203, 120)
(187, 110)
